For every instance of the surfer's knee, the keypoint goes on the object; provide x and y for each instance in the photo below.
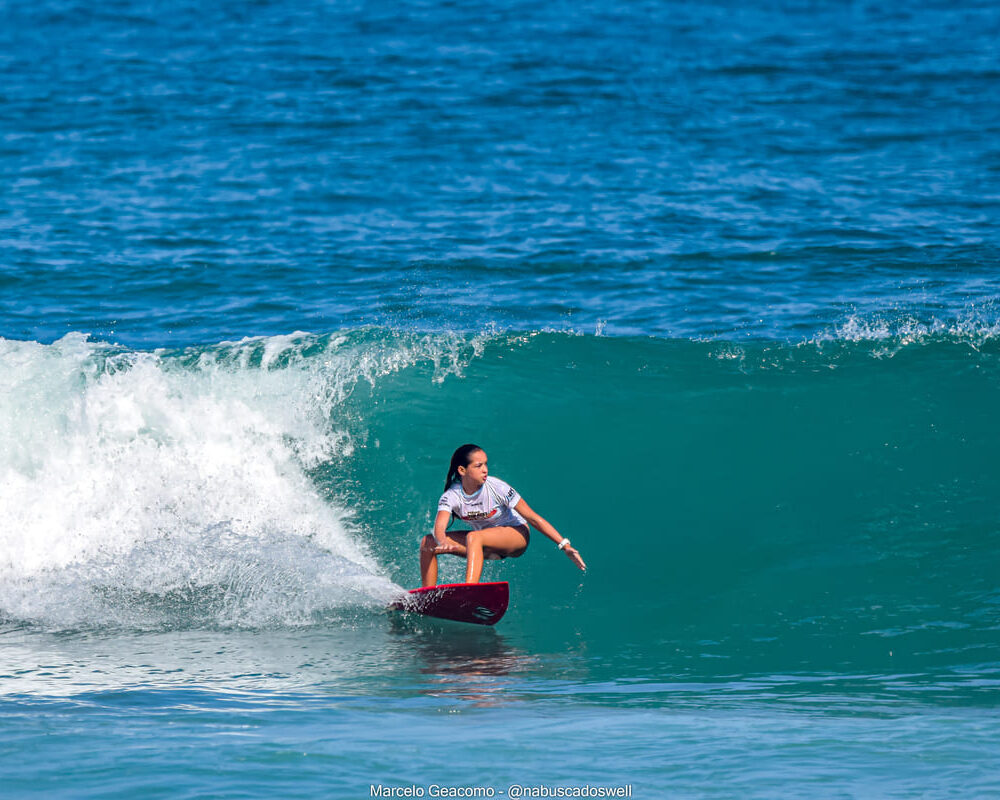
(474, 538)
(427, 544)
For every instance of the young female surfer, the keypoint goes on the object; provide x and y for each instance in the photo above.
(498, 515)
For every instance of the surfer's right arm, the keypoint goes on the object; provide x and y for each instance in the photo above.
(445, 544)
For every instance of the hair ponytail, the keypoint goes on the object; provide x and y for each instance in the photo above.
(460, 458)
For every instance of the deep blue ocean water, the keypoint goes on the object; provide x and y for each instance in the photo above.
(715, 286)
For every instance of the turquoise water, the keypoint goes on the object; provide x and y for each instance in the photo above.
(715, 287)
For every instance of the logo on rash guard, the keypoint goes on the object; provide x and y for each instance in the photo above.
(475, 516)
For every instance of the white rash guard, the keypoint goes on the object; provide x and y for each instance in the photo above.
(491, 507)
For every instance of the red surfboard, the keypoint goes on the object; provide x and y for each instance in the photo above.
(478, 603)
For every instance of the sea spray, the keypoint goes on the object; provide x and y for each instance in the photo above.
(151, 488)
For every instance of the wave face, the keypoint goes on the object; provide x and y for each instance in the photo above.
(834, 499)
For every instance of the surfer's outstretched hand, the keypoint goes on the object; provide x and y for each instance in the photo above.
(574, 556)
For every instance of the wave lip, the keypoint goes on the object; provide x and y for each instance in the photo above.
(902, 329)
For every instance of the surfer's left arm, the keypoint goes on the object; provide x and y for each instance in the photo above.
(543, 526)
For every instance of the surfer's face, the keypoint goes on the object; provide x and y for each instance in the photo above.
(475, 471)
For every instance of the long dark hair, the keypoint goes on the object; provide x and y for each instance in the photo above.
(460, 458)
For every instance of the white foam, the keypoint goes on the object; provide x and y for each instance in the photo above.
(900, 330)
(149, 488)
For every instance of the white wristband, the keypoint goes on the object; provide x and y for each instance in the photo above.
(563, 543)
